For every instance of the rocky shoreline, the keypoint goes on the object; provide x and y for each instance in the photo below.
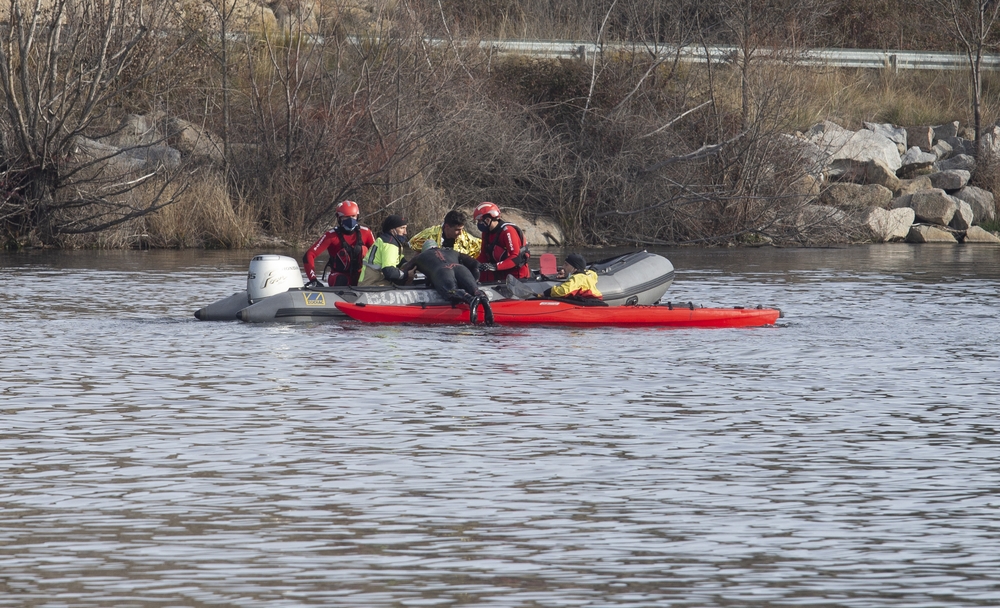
(881, 183)
(895, 183)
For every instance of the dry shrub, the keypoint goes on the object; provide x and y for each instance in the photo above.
(599, 163)
(496, 152)
(906, 97)
(129, 235)
(987, 176)
(556, 88)
(204, 215)
(421, 204)
(850, 96)
(345, 119)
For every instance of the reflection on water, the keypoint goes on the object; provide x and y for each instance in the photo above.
(846, 457)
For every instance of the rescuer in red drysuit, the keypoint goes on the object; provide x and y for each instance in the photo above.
(347, 243)
(504, 250)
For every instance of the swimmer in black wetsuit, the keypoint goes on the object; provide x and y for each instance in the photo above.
(454, 275)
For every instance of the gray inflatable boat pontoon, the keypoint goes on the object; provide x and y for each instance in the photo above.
(637, 278)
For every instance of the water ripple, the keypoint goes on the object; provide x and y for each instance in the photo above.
(845, 457)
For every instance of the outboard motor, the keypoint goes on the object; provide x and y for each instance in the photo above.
(272, 274)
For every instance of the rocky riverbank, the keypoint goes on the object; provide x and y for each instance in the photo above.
(895, 183)
(880, 183)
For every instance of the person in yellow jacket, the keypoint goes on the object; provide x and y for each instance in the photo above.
(581, 283)
(450, 234)
(381, 265)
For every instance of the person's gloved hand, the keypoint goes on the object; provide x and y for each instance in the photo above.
(484, 267)
(313, 283)
(394, 275)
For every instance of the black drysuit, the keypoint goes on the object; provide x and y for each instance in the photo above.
(454, 275)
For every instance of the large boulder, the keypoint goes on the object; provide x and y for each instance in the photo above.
(959, 162)
(921, 137)
(878, 173)
(920, 233)
(902, 201)
(194, 141)
(981, 201)
(872, 172)
(942, 150)
(946, 130)
(864, 172)
(242, 15)
(962, 220)
(909, 186)
(110, 160)
(828, 135)
(896, 135)
(136, 130)
(801, 153)
(155, 157)
(976, 234)
(538, 230)
(853, 196)
(950, 180)
(991, 140)
(154, 139)
(933, 207)
(961, 145)
(294, 14)
(914, 161)
(867, 145)
(114, 162)
(864, 145)
(889, 224)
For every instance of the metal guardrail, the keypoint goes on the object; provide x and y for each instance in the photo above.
(846, 58)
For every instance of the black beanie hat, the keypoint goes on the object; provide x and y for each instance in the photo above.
(393, 221)
(576, 261)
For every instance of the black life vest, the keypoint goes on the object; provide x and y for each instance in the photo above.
(523, 255)
(349, 257)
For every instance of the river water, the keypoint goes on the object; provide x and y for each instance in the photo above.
(846, 457)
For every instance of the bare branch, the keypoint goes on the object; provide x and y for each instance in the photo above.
(676, 120)
(702, 152)
(593, 64)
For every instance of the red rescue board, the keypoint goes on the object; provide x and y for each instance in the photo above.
(553, 312)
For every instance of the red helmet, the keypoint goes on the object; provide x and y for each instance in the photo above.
(347, 208)
(485, 209)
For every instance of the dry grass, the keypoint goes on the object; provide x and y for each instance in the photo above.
(909, 98)
(850, 97)
(204, 215)
(906, 98)
(427, 207)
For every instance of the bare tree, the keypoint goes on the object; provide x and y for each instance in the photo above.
(63, 66)
(972, 22)
(224, 16)
(763, 30)
(663, 156)
(337, 117)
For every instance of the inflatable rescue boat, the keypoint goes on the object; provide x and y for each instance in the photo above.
(276, 292)
(560, 312)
